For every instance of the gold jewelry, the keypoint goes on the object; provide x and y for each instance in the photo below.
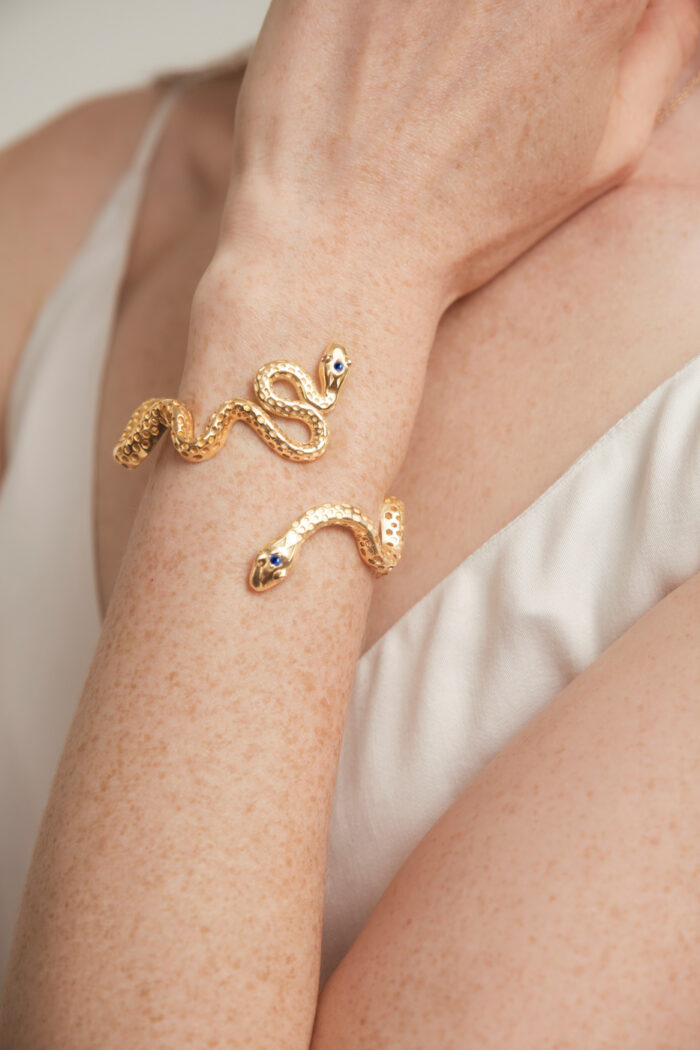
(153, 417)
(678, 99)
(380, 549)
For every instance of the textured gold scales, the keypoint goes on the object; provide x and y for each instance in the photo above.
(380, 548)
(157, 415)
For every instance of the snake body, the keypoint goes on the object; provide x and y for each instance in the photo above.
(380, 548)
(157, 415)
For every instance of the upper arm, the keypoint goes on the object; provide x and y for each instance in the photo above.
(556, 903)
(52, 184)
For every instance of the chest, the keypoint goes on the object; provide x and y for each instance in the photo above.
(524, 376)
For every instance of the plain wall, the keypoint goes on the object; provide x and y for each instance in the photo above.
(54, 53)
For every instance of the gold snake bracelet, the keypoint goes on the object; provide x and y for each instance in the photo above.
(379, 548)
(153, 417)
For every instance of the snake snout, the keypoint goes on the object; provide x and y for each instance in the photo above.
(335, 365)
(269, 568)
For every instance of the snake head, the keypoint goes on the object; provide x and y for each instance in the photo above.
(272, 565)
(334, 367)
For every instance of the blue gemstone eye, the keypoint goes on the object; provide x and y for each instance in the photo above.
(275, 559)
(338, 365)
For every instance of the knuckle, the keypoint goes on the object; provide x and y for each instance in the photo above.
(622, 160)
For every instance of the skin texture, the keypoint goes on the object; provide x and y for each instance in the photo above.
(120, 803)
(360, 89)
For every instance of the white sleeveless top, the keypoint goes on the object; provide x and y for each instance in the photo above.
(434, 698)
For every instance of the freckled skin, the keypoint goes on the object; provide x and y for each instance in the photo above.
(199, 766)
(176, 888)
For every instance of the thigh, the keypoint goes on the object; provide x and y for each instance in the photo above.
(556, 903)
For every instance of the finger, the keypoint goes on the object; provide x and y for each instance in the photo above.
(664, 41)
(650, 62)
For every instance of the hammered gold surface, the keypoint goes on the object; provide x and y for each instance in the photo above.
(158, 415)
(380, 548)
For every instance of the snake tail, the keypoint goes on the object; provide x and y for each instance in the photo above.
(158, 415)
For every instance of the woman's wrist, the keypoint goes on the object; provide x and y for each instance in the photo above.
(338, 231)
(252, 307)
(318, 256)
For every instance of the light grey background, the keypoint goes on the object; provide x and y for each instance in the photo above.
(54, 53)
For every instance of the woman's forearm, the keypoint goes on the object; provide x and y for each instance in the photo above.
(175, 895)
(176, 892)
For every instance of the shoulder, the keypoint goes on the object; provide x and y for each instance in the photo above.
(53, 182)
